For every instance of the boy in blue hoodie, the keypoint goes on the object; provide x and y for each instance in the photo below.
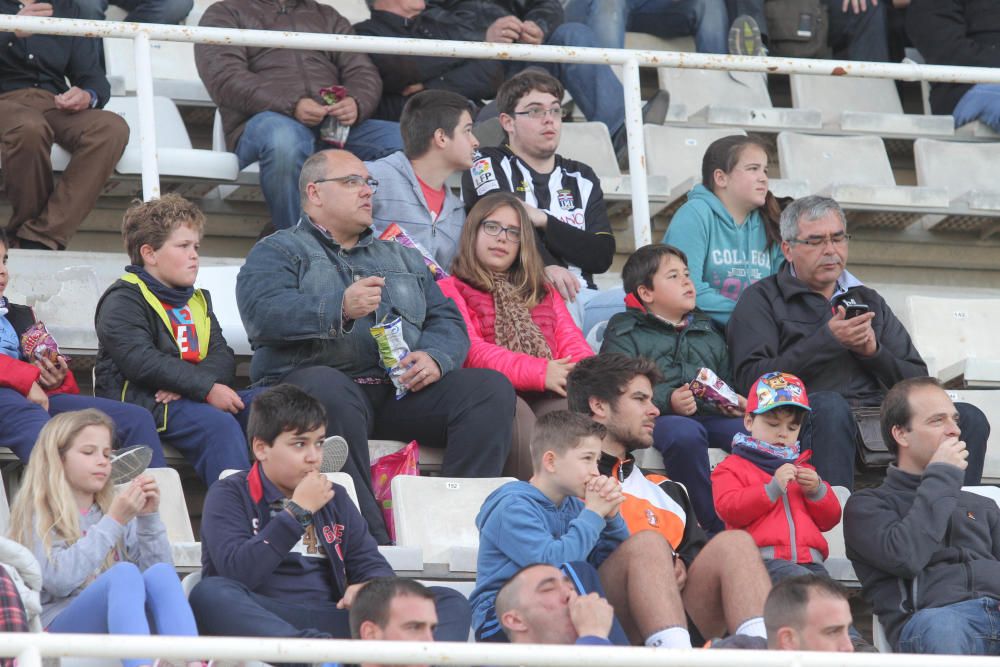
(284, 550)
(569, 514)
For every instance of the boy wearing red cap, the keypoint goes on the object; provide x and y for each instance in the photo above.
(767, 488)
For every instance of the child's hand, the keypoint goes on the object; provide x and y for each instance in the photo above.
(784, 475)
(128, 503)
(223, 398)
(151, 491)
(314, 491)
(603, 496)
(807, 478)
(51, 375)
(164, 396)
(682, 401)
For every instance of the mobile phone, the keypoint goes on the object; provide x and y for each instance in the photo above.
(855, 309)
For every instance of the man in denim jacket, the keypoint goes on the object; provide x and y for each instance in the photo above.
(308, 297)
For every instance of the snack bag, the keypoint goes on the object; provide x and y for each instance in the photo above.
(392, 349)
(403, 462)
(395, 233)
(708, 387)
(38, 343)
(331, 130)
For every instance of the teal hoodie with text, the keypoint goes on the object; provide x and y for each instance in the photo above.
(724, 258)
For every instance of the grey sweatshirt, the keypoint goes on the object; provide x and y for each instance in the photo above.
(67, 570)
(400, 199)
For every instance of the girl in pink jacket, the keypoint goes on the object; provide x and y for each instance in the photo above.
(518, 324)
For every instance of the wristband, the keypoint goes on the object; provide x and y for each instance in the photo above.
(301, 514)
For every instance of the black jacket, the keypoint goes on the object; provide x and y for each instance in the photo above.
(480, 14)
(138, 356)
(476, 79)
(922, 542)
(780, 324)
(46, 61)
(954, 32)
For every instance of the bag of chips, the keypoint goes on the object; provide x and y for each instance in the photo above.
(708, 387)
(38, 343)
(392, 349)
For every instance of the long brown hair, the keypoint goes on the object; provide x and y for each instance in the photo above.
(526, 274)
(725, 154)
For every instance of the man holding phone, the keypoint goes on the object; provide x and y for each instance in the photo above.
(817, 320)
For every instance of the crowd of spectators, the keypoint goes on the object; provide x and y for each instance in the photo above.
(467, 333)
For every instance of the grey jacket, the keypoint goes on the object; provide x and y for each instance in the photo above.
(922, 542)
(401, 200)
(290, 293)
(68, 569)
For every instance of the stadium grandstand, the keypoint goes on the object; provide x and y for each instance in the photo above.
(921, 210)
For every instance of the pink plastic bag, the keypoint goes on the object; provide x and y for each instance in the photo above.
(403, 462)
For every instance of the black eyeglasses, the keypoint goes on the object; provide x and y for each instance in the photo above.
(537, 113)
(840, 238)
(494, 228)
(352, 182)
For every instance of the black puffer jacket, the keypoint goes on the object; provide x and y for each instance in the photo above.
(954, 32)
(921, 542)
(138, 356)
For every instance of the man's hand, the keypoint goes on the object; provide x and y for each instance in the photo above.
(345, 111)
(680, 573)
(223, 398)
(531, 33)
(506, 29)
(73, 100)
(32, 8)
(38, 396)
(556, 372)
(603, 496)
(808, 479)
(857, 6)
(363, 297)
(784, 475)
(51, 375)
(591, 615)
(164, 396)
(151, 493)
(682, 401)
(538, 217)
(349, 595)
(422, 371)
(856, 334)
(564, 280)
(314, 491)
(309, 112)
(952, 451)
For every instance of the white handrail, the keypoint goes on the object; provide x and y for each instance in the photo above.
(630, 59)
(28, 647)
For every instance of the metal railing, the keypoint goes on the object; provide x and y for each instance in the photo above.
(630, 60)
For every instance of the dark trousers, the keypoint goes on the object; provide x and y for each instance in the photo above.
(831, 432)
(469, 412)
(45, 210)
(21, 421)
(684, 443)
(228, 608)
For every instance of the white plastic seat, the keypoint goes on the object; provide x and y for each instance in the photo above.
(957, 338)
(675, 153)
(864, 106)
(856, 172)
(438, 514)
(174, 515)
(965, 170)
(590, 144)
(178, 162)
(837, 564)
(174, 72)
(248, 178)
(220, 281)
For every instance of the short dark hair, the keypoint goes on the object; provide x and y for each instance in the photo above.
(427, 112)
(643, 264)
(522, 83)
(280, 409)
(373, 600)
(604, 377)
(786, 603)
(896, 409)
(798, 414)
(561, 431)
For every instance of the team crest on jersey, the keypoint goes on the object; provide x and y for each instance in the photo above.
(565, 199)
(483, 177)
(651, 518)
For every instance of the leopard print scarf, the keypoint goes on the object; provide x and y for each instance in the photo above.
(513, 328)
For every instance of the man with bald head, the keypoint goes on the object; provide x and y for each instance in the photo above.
(309, 296)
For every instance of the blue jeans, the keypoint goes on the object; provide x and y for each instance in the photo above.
(981, 102)
(125, 601)
(964, 628)
(139, 11)
(281, 144)
(684, 443)
(210, 439)
(707, 20)
(21, 421)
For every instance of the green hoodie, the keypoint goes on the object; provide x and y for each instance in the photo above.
(724, 258)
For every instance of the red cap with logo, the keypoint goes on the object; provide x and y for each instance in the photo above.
(773, 390)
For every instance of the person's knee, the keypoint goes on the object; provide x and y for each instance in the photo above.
(735, 544)
(941, 630)
(573, 34)
(107, 129)
(646, 545)
(160, 576)
(211, 592)
(685, 437)
(284, 141)
(29, 129)
(125, 574)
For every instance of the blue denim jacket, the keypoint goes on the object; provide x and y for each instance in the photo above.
(290, 294)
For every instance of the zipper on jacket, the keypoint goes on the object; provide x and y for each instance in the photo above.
(791, 527)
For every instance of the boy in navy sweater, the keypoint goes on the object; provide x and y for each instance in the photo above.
(284, 550)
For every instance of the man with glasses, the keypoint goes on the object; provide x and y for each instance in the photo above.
(309, 297)
(817, 320)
